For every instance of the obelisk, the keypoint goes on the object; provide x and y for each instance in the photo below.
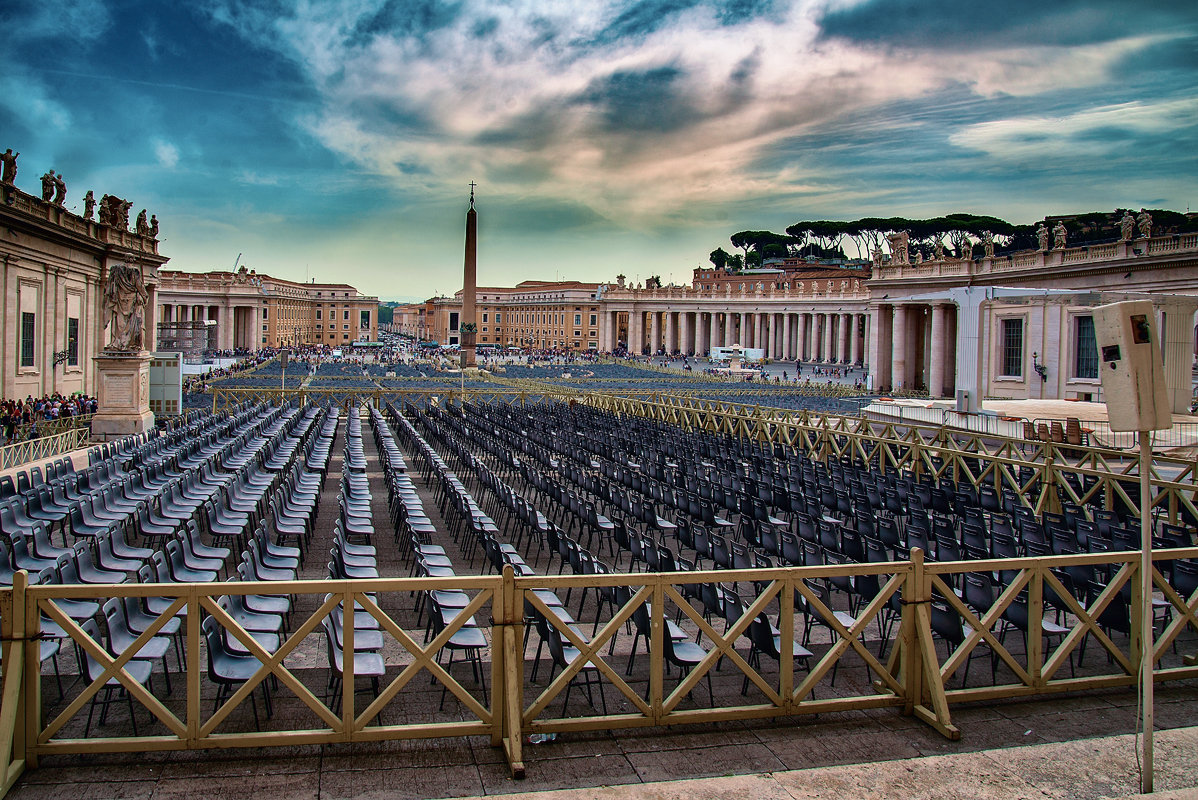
(466, 325)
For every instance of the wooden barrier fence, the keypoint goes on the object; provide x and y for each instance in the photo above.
(911, 671)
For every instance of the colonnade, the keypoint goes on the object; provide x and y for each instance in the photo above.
(833, 336)
(915, 347)
(236, 325)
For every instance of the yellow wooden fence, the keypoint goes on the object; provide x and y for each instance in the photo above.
(914, 678)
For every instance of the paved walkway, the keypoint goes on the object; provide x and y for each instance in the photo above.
(1078, 770)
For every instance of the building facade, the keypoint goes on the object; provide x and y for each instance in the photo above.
(55, 267)
(1018, 326)
(1021, 326)
(543, 315)
(245, 310)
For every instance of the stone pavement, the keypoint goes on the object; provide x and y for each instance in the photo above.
(1078, 770)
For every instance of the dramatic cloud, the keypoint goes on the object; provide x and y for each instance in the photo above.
(600, 131)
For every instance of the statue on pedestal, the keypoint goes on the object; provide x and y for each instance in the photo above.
(48, 186)
(143, 226)
(898, 247)
(60, 190)
(1042, 237)
(125, 299)
(1145, 223)
(8, 166)
(153, 226)
(89, 204)
(876, 255)
(1127, 226)
(988, 243)
(967, 249)
(939, 246)
(1060, 236)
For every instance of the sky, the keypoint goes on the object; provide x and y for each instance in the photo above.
(336, 141)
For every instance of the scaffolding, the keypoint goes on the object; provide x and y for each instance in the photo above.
(190, 338)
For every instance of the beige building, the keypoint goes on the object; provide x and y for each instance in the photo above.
(247, 310)
(539, 314)
(824, 318)
(1021, 326)
(55, 266)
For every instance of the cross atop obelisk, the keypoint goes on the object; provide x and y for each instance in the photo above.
(467, 327)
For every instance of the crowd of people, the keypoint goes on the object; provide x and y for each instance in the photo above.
(21, 418)
(197, 384)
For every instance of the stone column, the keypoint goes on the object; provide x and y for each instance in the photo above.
(654, 332)
(804, 321)
(224, 327)
(880, 346)
(786, 354)
(898, 363)
(759, 332)
(950, 349)
(1176, 333)
(713, 331)
(698, 333)
(829, 337)
(854, 338)
(771, 337)
(939, 340)
(867, 337)
(846, 330)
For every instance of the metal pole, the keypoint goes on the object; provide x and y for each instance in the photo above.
(1146, 628)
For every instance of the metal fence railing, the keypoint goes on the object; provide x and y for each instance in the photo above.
(44, 447)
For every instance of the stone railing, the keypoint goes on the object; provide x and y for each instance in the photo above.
(855, 290)
(1042, 259)
(64, 218)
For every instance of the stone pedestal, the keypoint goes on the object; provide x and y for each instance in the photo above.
(124, 395)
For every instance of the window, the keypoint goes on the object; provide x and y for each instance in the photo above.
(1086, 354)
(578, 319)
(1012, 347)
(594, 317)
(498, 318)
(266, 313)
(72, 342)
(346, 314)
(364, 320)
(453, 320)
(318, 313)
(484, 316)
(28, 325)
(345, 326)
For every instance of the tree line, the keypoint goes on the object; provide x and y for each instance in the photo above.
(827, 238)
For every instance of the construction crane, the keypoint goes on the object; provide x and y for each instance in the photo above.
(236, 262)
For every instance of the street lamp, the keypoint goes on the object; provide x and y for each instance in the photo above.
(1040, 369)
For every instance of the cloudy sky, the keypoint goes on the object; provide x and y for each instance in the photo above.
(336, 140)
